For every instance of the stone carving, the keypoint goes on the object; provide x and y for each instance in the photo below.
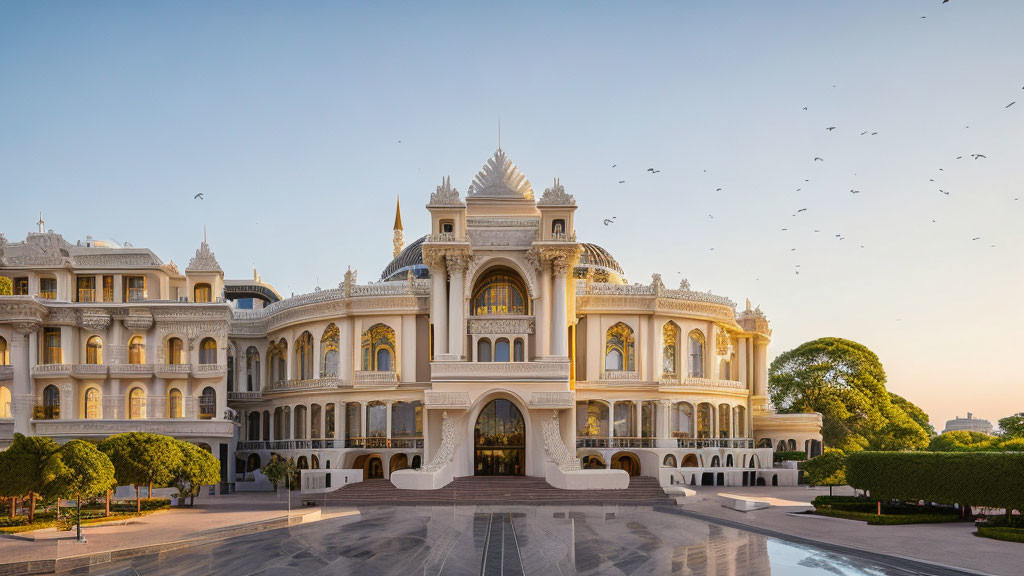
(555, 448)
(204, 260)
(446, 451)
(684, 285)
(116, 260)
(94, 319)
(658, 285)
(446, 399)
(504, 325)
(556, 196)
(38, 249)
(445, 194)
(500, 178)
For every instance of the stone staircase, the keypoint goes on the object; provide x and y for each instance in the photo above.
(480, 490)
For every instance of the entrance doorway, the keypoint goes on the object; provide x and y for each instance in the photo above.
(500, 440)
(626, 461)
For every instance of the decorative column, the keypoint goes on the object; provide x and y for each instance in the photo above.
(542, 309)
(438, 309)
(456, 332)
(23, 400)
(387, 418)
(559, 323)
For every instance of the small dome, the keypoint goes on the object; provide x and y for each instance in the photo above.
(410, 258)
(601, 262)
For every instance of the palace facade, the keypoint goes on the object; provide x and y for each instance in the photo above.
(496, 344)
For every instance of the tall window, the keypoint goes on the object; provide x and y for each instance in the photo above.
(5, 402)
(329, 352)
(20, 287)
(501, 350)
(136, 350)
(724, 415)
(252, 368)
(329, 420)
(276, 354)
(93, 408)
(378, 348)
(86, 288)
(592, 419)
(137, 404)
(625, 419)
(207, 403)
(353, 420)
(500, 292)
(483, 350)
(51, 403)
(619, 348)
(407, 419)
(682, 420)
(649, 419)
(253, 426)
(208, 351)
(5, 354)
(518, 353)
(696, 354)
(48, 288)
(304, 356)
(52, 352)
(705, 418)
(669, 342)
(174, 404)
(135, 288)
(202, 293)
(108, 288)
(175, 351)
(376, 419)
(94, 350)
(739, 421)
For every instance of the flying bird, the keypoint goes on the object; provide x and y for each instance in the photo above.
(622, 181)
(801, 210)
(976, 156)
(198, 196)
(614, 165)
(818, 159)
(805, 107)
(718, 189)
(608, 221)
(853, 192)
(864, 132)
(1011, 103)
(944, 192)
(976, 238)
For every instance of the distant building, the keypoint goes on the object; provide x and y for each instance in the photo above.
(971, 424)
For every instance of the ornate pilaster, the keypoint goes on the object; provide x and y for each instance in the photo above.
(456, 261)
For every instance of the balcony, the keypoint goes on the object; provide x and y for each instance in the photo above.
(172, 370)
(296, 385)
(552, 400)
(131, 370)
(702, 384)
(381, 442)
(376, 379)
(6, 373)
(209, 370)
(244, 396)
(621, 376)
(715, 442)
(51, 371)
(89, 371)
(499, 371)
(99, 429)
(6, 431)
(619, 442)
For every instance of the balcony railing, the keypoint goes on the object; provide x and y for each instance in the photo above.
(618, 442)
(131, 369)
(86, 295)
(630, 375)
(322, 444)
(253, 445)
(209, 369)
(381, 442)
(478, 371)
(715, 442)
(446, 237)
(310, 384)
(6, 372)
(370, 378)
(172, 368)
(51, 370)
(245, 395)
(89, 370)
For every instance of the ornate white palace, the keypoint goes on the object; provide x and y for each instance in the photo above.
(497, 344)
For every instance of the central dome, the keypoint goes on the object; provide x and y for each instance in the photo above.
(600, 262)
(410, 258)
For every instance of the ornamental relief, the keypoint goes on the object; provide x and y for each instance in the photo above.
(521, 264)
(521, 237)
(501, 326)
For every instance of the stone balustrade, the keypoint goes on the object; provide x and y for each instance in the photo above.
(89, 370)
(131, 369)
(617, 442)
(177, 427)
(619, 375)
(209, 370)
(375, 378)
(451, 400)
(171, 370)
(6, 373)
(560, 399)
(715, 442)
(703, 383)
(512, 371)
(308, 384)
(238, 396)
(443, 237)
(51, 370)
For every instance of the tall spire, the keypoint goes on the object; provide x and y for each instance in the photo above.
(399, 241)
(41, 224)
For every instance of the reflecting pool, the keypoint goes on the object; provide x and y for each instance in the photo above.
(508, 540)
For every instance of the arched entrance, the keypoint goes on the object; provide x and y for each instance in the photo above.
(374, 468)
(399, 462)
(499, 446)
(626, 461)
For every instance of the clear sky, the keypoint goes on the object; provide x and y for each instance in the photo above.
(288, 118)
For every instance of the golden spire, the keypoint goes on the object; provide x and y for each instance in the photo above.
(398, 213)
(399, 242)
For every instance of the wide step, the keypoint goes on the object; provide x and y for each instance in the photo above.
(642, 491)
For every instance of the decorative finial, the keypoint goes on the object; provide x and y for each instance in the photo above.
(41, 224)
(204, 233)
(399, 241)
(748, 304)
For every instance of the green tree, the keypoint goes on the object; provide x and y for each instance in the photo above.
(1012, 426)
(142, 459)
(78, 469)
(279, 470)
(6, 286)
(195, 469)
(827, 469)
(963, 441)
(22, 470)
(845, 382)
(914, 411)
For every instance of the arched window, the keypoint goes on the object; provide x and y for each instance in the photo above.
(136, 350)
(93, 406)
(299, 421)
(304, 356)
(649, 419)
(501, 291)
(208, 351)
(740, 421)
(51, 403)
(705, 418)
(277, 352)
(378, 348)
(669, 351)
(266, 425)
(202, 293)
(682, 420)
(5, 402)
(696, 354)
(723, 369)
(724, 416)
(353, 423)
(592, 419)
(207, 403)
(518, 352)
(483, 350)
(329, 352)
(175, 351)
(625, 419)
(94, 350)
(670, 461)
(137, 404)
(253, 426)
(501, 350)
(174, 405)
(5, 355)
(252, 369)
(619, 349)
(329, 421)
(376, 419)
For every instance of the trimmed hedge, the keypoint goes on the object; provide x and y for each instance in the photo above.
(1005, 534)
(994, 479)
(783, 455)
